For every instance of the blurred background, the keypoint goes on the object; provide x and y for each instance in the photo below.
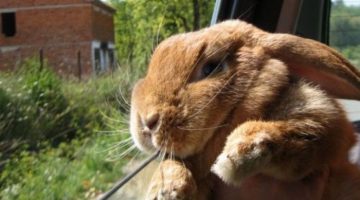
(66, 72)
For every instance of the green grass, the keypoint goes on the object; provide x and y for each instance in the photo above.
(54, 174)
(60, 139)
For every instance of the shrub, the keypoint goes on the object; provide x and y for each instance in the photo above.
(36, 108)
(50, 143)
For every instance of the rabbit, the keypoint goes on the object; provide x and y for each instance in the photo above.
(235, 105)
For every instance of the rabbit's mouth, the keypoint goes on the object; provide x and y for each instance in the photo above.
(167, 137)
(172, 140)
(179, 130)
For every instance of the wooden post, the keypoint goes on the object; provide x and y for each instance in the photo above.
(41, 59)
(79, 64)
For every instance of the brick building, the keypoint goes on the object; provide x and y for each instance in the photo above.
(74, 36)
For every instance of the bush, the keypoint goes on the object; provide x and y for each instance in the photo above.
(50, 143)
(36, 108)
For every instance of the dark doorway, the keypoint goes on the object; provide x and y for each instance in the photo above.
(8, 21)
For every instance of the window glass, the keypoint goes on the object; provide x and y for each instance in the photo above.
(345, 37)
(345, 29)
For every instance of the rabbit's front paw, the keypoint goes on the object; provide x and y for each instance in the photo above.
(172, 181)
(244, 154)
(169, 193)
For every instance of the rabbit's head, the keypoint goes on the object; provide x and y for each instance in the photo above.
(195, 82)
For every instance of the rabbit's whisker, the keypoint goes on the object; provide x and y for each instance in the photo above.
(166, 147)
(123, 121)
(201, 129)
(172, 152)
(123, 98)
(124, 117)
(245, 15)
(112, 126)
(123, 154)
(159, 29)
(120, 98)
(109, 118)
(125, 144)
(117, 146)
(121, 143)
(120, 101)
(134, 157)
(112, 132)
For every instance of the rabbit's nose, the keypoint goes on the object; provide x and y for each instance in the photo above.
(151, 122)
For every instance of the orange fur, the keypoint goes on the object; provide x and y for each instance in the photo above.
(257, 117)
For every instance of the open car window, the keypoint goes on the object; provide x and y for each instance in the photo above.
(344, 35)
(335, 23)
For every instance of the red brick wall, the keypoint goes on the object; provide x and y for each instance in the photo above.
(49, 26)
(60, 31)
(63, 59)
(103, 25)
(26, 3)
(66, 58)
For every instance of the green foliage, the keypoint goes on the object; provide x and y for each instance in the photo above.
(76, 170)
(141, 25)
(77, 165)
(35, 106)
(345, 22)
(344, 30)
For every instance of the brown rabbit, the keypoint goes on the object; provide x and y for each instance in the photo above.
(235, 102)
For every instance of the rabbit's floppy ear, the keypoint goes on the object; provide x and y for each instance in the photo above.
(315, 62)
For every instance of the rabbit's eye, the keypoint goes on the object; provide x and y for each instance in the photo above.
(212, 68)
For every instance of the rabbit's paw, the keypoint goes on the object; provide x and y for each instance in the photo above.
(244, 154)
(170, 194)
(172, 181)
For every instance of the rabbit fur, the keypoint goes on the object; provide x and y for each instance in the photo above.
(267, 108)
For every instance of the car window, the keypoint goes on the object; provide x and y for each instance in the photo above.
(345, 37)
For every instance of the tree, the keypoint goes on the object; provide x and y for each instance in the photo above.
(345, 30)
(141, 25)
(339, 3)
